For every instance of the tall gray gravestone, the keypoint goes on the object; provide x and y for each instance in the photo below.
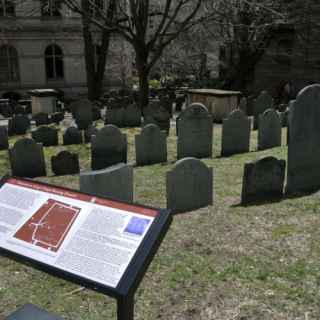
(304, 142)
(82, 113)
(263, 102)
(195, 132)
(235, 133)
(27, 159)
(20, 123)
(4, 142)
(108, 147)
(151, 145)
(263, 180)
(269, 132)
(189, 186)
(132, 116)
(46, 135)
(115, 182)
(72, 136)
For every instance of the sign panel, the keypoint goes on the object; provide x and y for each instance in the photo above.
(91, 237)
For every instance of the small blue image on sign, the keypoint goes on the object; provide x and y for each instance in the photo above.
(137, 226)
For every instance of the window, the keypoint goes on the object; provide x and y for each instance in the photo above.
(51, 8)
(9, 64)
(54, 62)
(7, 8)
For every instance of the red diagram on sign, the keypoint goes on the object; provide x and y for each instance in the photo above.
(48, 227)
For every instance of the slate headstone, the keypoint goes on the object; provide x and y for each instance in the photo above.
(195, 130)
(115, 182)
(115, 116)
(20, 124)
(72, 136)
(65, 163)
(235, 133)
(132, 116)
(27, 159)
(263, 102)
(263, 180)
(269, 132)
(46, 135)
(4, 143)
(82, 113)
(151, 146)
(108, 147)
(189, 186)
(41, 119)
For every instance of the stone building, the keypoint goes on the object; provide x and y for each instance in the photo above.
(41, 46)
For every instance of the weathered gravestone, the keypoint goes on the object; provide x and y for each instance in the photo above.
(189, 186)
(304, 144)
(151, 145)
(57, 117)
(235, 133)
(115, 115)
(263, 102)
(4, 143)
(108, 147)
(269, 132)
(155, 113)
(82, 113)
(115, 182)
(195, 130)
(132, 116)
(65, 163)
(46, 135)
(20, 124)
(27, 159)
(88, 133)
(263, 180)
(72, 136)
(41, 119)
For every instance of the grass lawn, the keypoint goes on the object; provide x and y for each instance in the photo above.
(222, 262)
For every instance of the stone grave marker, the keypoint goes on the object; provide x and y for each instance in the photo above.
(65, 163)
(20, 124)
(4, 143)
(27, 159)
(155, 113)
(269, 132)
(189, 186)
(115, 182)
(115, 116)
(132, 116)
(46, 135)
(151, 145)
(41, 119)
(263, 180)
(82, 114)
(108, 147)
(88, 133)
(195, 128)
(235, 134)
(72, 136)
(263, 102)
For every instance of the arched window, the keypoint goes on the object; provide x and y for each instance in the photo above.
(7, 8)
(54, 62)
(9, 64)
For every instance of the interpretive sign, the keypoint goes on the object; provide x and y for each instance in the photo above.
(102, 244)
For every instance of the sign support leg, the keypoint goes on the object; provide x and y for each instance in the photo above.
(125, 308)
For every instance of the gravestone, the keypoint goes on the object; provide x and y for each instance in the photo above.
(263, 102)
(189, 186)
(72, 136)
(115, 182)
(41, 119)
(88, 133)
(4, 143)
(263, 180)
(195, 130)
(304, 147)
(82, 113)
(235, 133)
(20, 124)
(132, 116)
(269, 132)
(57, 117)
(151, 146)
(65, 163)
(115, 116)
(155, 113)
(108, 147)
(46, 135)
(27, 159)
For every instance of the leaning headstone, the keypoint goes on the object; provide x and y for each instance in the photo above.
(304, 147)
(115, 182)
(261, 104)
(88, 133)
(108, 147)
(151, 146)
(82, 113)
(132, 116)
(195, 129)
(263, 180)
(20, 124)
(72, 136)
(189, 186)
(41, 119)
(65, 163)
(46, 135)
(269, 132)
(235, 134)
(27, 159)
(4, 144)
